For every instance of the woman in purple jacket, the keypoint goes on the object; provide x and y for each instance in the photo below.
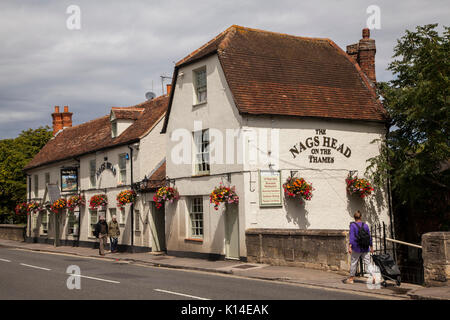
(355, 250)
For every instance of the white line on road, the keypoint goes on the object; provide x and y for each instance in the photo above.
(4, 260)
(181, 294)
(36, 267)
(78, 275)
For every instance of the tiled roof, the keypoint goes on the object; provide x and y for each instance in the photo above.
(277, 74)
(129, 113)
(96, 135)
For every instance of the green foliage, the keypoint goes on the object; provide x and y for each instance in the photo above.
(417, 100)
(14, 155)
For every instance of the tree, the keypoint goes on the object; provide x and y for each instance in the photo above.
(416, 153)
(14, 155)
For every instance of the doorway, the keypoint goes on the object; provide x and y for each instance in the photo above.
(157, 228)
(232, 231)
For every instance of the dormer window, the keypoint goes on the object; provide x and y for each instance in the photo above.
(200, 85)
(122, 118)
(114, 128)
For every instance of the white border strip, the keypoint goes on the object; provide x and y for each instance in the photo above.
(93, 278)
(4, 260)
(181, 294)
(36, 267)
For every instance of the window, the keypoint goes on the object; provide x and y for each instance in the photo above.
(122, 168)
(112, 212)
(72, 223)
(114, 128)
(92, 174)
(93, 222)
(137, 222)
(44, 222)
(47, 178)
(36, 185)
(201, 152)
(200, 85)
(122, 216)
(196, 217)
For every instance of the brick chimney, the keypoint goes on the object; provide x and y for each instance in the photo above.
(67, 117)
(364, 54)
(61, 120)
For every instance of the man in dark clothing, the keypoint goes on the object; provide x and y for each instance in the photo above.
(101, 232)
(355, 248)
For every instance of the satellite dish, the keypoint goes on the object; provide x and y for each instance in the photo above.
(150, 95)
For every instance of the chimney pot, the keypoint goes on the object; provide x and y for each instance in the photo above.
(66, 108)
(169, 88)
(56, 109)
(366, 33)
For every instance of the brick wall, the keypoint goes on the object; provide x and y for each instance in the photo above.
(317, 249)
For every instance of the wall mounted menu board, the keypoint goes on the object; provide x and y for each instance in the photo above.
(269, 188)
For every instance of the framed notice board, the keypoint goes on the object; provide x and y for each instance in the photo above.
(270, 188)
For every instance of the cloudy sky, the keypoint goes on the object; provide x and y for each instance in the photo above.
(123, 47)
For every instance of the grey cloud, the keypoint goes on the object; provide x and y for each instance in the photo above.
(124, 46)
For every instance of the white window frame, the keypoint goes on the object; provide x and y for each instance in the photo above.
(137, 220)
(122, 170)
(92, 225)
(42, 230)
(36, 185)
(47, 178)
(202, 156)
(92, 173)
(201, 89)
(196, 218)
(114, 128)
(123, 216)
(70, 229)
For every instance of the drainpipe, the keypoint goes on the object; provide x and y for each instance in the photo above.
(390, 199)
(132, 204)
(29, 199)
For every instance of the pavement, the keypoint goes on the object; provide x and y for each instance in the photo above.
(279, 274)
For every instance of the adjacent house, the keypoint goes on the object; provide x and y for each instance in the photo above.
(252, 108)
(120, 151)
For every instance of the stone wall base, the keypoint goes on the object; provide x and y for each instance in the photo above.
(12, 232)
(436, 258)
(316, 249)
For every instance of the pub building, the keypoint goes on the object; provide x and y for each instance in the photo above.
(282, 107)
(120, 151)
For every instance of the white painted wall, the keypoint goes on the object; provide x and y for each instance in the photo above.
(330, 207)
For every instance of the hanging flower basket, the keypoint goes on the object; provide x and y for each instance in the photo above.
(75, 201)
(298, 188)
(98, 200)
(222, 194)
(165, 194)
(21, 208)
(34, 207)
(361, 187)
(124, 197)
(59, 204)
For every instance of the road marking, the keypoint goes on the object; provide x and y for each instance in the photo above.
(5, 260)
(36, 267)
(93, 278)
(181, 294)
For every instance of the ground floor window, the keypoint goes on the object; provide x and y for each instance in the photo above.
(112, 212)
(93, 221)
(44, 222)
(137, 222)
(122, 217)
(196, 217)
(72, 222)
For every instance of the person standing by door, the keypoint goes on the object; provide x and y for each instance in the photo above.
(113, 232)
(101, 232)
